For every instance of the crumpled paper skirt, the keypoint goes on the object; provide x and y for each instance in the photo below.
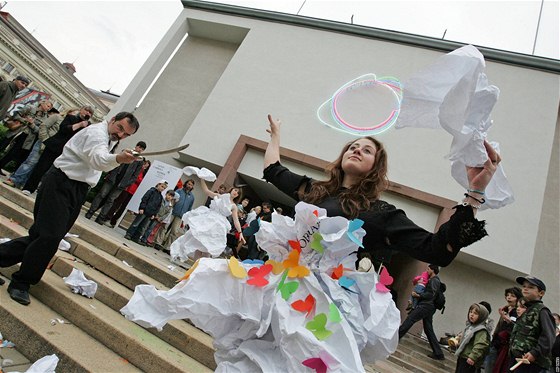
(207, 234)
(255, 329)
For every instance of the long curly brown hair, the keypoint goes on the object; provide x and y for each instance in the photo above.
(361, 195)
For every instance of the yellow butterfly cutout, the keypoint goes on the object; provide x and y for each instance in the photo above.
(277, 267)
(236, 268)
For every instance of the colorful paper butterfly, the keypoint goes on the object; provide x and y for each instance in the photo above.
(334, 313)
(257, 274)
(384, 280)
(277, 267)
(337, 272)
(236, 269)
(353, 226)
(253, 261)
(190, 271)
(316, 363)
(304, 305)
(346, 283)
(317, 327)
(287, 288)
(292, 264)
(316, 242)
(295, 245)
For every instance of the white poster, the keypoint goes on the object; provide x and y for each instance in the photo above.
(158, 171)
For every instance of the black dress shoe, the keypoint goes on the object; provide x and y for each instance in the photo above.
(436, 357)
(20, 296)
(2, 281)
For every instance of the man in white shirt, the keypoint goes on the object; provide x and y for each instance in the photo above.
(60, 197)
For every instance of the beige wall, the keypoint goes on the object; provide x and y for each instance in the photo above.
(223, 82)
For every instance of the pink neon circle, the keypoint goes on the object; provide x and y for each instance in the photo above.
(342, 121)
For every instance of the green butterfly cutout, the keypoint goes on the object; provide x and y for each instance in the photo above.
(288, 289)
(317, 327)
(334, 314)
(316, 243)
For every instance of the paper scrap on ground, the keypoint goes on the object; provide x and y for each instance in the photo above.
(454, 94)
(46, 364)
(203, 173)
(79, 284)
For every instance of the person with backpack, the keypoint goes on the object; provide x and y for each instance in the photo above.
(426, 309)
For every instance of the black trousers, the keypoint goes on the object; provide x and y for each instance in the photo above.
(424, 312)
(463, 367)
(45, 162)
(16, 153)
(56, 209)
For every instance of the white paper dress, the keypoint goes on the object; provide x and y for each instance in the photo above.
(259, 328)
(207, 232)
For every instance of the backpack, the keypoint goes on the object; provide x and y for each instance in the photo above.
(439, 299)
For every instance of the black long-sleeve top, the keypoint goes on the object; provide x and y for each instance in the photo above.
(389, 229)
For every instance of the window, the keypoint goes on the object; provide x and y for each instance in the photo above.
(8, 67)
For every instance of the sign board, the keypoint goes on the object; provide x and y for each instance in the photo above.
(158, 171)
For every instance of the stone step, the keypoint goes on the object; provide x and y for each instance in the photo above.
(98, 238)
(386, 366)
(30, 328)
(177, 333)
(109, 327)
(115, 288)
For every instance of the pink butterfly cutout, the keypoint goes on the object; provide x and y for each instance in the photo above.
(384, 280)
(316, 363)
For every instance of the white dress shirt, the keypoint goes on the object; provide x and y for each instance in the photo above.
(87, 154)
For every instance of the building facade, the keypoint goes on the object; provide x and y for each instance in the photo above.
(22, 54)
(229, 67)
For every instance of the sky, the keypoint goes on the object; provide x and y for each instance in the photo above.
(108, 41)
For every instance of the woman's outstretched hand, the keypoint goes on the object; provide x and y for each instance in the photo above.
(274, 128)
(479, 177)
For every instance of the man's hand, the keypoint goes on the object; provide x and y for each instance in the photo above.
(470, 361)
(126, 156)
(415, 294)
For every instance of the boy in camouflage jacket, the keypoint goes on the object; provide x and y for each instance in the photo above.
(533, 333)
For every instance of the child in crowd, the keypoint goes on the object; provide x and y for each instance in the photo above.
(149, 206)
(533, 334)
(556, 346)
(475, 341)
(497, 361)
(419, 283)
(161, 219)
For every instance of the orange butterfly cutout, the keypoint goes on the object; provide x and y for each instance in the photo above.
(190, 271)
(306, 305)
(257, 274)
(337, 272)
(292, 264)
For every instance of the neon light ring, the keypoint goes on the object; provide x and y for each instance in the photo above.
(330, 113)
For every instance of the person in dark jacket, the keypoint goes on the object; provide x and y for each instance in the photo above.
(534, 331)
(425, 311)
(70, 125)
(149, 207)
(115, 182)
(8, 92)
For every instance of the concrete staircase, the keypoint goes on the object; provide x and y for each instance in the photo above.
(95, 337)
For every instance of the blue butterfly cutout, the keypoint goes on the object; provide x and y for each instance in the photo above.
(353, 226)
(346, 283)
(252, 261)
